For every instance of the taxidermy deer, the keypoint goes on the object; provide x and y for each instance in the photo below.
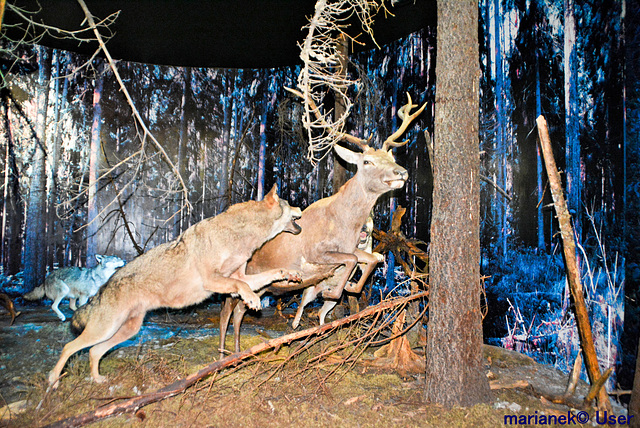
(330, 229)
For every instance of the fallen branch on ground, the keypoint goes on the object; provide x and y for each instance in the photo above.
(179, 386)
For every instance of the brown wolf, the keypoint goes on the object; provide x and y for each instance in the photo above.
(209, 257)
(75, 283)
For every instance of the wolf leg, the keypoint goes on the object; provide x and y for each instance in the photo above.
(54, 306)
(130, 327)
(82, 300)
(91, 335)
(72, 304)
(57, 290)
(308, 295)
(224, 285)
(262, 279)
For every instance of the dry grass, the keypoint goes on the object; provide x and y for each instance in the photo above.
(320, 381)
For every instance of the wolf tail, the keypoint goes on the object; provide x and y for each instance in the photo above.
(35, 294)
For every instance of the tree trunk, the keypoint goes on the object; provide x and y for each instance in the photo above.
(542, 247)
(94, 161)
(572, 120)
(339, 171)
(225, 149)
(500, 155)
(35, 253)
(181, 163)
(12, 214)
(54, 156)
(634, 404)
(262, 153)
(454, 342)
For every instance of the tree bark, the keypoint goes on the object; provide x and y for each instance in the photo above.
(54, 158)
(225, 148)
(572, 119)
(455, 375)
(262, 155)
(500, 155)
(94, 157)
(634, 404)
(339, 171)
(179, 221)
(35, 254)
(12, 202)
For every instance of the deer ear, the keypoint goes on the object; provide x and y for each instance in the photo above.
(346, 154)
(272, 196)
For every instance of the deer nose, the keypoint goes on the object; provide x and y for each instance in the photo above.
(402, 173)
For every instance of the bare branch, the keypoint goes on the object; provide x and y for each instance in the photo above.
(139, 122)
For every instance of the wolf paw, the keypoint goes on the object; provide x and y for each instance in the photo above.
(99, 379)
(54, 381)
(252, 301)
(291, 276)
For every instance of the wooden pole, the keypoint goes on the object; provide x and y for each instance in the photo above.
(573, 274)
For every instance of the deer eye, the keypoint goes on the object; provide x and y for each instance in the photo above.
(367, 162)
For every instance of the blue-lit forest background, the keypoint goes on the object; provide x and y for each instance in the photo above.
(232, 133)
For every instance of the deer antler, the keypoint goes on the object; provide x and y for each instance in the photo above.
(406, 120)
(363, 144)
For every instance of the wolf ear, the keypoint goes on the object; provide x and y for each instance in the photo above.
(272, 196)
(99, 258)
(346, 154)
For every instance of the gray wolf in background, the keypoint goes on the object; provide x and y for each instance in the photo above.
(75, 283)
(209, 257)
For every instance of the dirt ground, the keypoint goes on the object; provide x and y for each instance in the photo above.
(281, 388)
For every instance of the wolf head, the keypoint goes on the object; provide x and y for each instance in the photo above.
(109, 264)
(286, 222)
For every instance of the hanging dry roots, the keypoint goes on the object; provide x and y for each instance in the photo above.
(398, 355)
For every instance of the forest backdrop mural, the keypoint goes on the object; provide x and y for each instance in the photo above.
(73, 156)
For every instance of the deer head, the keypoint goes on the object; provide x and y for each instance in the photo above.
(378, 171)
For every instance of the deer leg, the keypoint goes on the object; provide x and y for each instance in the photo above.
(238, 314)
(349, 260)
(308, 296)
(368, 263)
(326, 308)
(225, 315)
